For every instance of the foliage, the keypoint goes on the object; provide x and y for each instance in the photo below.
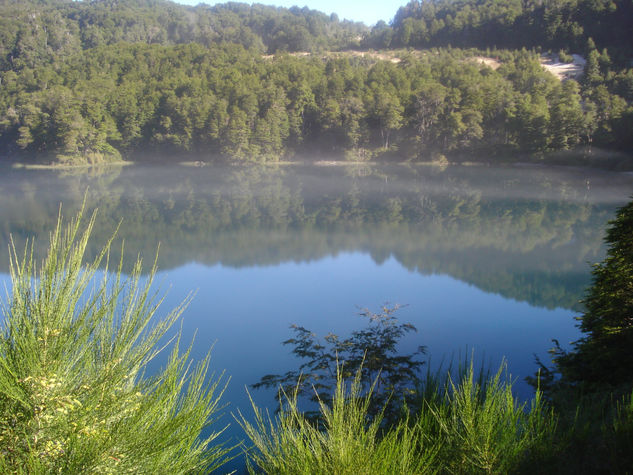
(465, 425)
(126, 98)
(461, 422)
(619, 434)
(608, 319)
(483, 428)
(73, 351)
(33, 32)
(602, 359)
(554, 25)
(590, 385)
(370, 354)
(92, 81)
(565, 57)
(348, 439)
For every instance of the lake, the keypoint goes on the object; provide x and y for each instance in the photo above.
(485, 260)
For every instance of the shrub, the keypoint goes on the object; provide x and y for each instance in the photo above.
(346, 439)
(73, 350)
(472, 425)
(483, 428)
(565, 57)
(372, 351)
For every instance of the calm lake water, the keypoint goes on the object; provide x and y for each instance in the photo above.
(487, 260)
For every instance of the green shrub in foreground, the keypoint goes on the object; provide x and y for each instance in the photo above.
(345, 441)
(73, 349)
(461, 427)
(483, 428)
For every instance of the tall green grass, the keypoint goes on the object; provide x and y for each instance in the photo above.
(464, 424)
(73, 350)
(344, 441)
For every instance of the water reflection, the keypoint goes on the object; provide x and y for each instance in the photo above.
(524, 233)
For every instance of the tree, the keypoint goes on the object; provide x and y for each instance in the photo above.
(591, 74)
(427, 108)
(372, 352)
(567, 119)
(603, 357)
(387, 114)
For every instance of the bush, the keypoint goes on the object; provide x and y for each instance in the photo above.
(345, 440)
(73, 351)
(565, 57)
(483, 428)
(472, 425)
(372, 351)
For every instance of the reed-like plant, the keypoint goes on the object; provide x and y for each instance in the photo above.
(468, 423)
(483, 428)
(345, 439)
(619, 436)
(73, 351)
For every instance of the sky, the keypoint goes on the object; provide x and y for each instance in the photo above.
(367, 11)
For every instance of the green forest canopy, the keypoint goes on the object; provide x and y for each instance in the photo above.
(93, 81)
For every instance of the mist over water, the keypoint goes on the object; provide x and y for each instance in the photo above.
(490, 260)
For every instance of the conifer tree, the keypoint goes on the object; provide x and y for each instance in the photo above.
(603, 355)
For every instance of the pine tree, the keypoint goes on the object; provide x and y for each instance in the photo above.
(603, 355)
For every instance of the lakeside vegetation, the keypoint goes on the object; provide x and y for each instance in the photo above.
(74, 349)
(73, 395)
(95, 82)
(580, 419)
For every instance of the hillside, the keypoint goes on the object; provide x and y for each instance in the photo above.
(547, 24)
(36, 32)
(86, 82)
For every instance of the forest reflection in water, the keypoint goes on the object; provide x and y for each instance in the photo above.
(524, 233)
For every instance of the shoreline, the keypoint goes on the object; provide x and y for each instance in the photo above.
(598, 159)
(62, 166)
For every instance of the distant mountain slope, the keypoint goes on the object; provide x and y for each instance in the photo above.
(32, 32)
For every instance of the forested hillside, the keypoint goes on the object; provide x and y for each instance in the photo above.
(87, 82)
(548, 24)
(36, 32)
(227, 101)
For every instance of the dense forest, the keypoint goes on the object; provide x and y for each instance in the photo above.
(513, 24)
(88, 82)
